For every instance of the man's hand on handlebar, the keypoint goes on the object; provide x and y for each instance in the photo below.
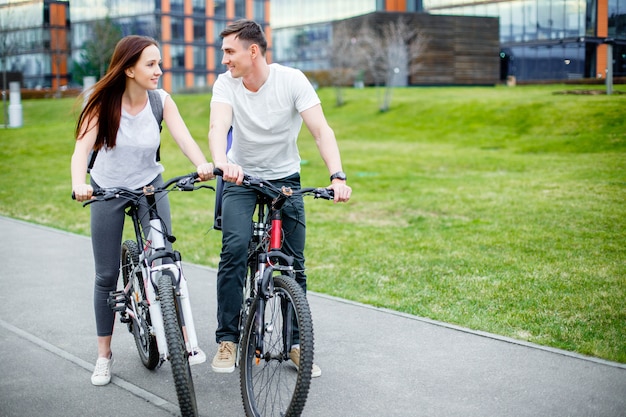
(342, 191)
(231, 173)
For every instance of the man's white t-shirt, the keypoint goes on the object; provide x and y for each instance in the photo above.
(266, 123)
(132, 162)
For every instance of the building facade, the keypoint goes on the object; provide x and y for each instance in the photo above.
(35, 43)
(302, 30)
(188, 31)
(552, 39)
(48, 36)
(41, 40)
(539, 39)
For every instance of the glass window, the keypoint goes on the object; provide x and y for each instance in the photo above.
(199, 57)
(240, 9)
(176, 5)
(575, 60)
(619, 54)
(218, 27)
(557, 14)
(617, 18)
(517, 22)
(532, 27)
(259, 10)
(199, 30)
(574, 18)
(178, 28)
(199, 6)
(506, 22)
(199, 80)
(178, 56)
(219, 9)
(590, 18)
(178, 82)
(287, 13)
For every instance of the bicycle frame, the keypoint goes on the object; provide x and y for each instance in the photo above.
(266, 258)
(155, 260)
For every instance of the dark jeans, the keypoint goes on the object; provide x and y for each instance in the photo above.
(107, 224)
(238, 204)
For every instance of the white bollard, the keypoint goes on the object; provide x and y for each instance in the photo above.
(15, 106)
(88, 83)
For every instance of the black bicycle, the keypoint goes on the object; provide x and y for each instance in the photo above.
(274, 312)
(154, 302)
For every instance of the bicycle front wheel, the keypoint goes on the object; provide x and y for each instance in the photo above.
(141, 324)
(178, 356)
(271, 385)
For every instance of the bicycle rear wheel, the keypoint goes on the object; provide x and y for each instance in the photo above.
(273, 385)
(178, 355)
(140, 328)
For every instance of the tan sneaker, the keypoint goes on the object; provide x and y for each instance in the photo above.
(294, 354)
(224, 360)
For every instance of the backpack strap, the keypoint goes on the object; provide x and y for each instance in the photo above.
(157, 110)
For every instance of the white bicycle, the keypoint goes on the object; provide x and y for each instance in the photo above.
(154, 302)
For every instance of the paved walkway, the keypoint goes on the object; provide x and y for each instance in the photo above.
(375, 362)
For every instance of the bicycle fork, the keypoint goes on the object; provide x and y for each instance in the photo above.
(174, 271)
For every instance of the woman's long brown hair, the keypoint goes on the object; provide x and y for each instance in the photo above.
(105, 98)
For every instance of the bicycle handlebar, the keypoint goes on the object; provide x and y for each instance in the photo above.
(316, 192)
(181, 183)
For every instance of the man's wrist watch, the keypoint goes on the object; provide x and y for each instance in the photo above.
(339, 175)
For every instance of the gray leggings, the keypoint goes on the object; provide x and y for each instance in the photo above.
(107, 224)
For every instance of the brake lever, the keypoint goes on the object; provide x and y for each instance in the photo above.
(204, 186)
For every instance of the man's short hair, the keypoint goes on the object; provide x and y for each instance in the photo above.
(247, 31)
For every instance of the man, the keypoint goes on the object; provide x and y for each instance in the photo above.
(265, 104)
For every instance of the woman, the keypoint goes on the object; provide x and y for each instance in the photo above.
(118, 122)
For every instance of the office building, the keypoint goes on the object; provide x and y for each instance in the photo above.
(552, 39)
(539, 39)
(49, 36)
(35, 43)
(41, 41)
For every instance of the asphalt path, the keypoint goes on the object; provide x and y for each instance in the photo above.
(374, 362)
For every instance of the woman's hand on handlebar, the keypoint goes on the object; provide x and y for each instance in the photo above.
(205, 171)
(231, 173)
(82, 192)
(342, 191)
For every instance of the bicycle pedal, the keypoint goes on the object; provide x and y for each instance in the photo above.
(117, 301)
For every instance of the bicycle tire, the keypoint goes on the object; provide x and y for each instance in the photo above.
(146, 342)
(178, 355)
(245, 308)
(274, 386)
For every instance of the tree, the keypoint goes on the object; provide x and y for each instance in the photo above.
(345, 60)
(98, 50)
(390, 49)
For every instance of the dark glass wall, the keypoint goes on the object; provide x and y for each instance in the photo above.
(540, 38)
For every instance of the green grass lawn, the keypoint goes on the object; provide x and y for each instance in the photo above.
(494, 208)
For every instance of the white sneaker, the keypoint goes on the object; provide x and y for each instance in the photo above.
(102, 373)
(197, 356)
